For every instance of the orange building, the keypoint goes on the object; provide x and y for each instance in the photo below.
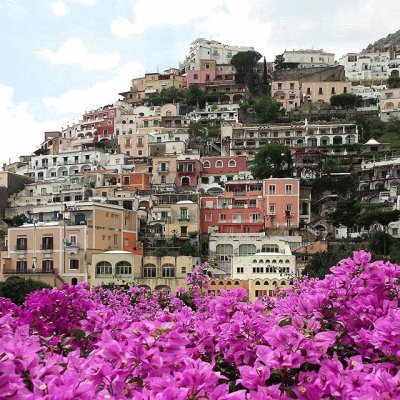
(134, 180)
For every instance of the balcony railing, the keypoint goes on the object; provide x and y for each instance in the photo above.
(36, 271)
(20, 249)
(46, 248)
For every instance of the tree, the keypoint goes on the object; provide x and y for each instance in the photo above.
(264, 87)
(279, 62)
(321, 263)
(16, 289)
(393, 82)
(346, 214)
(245, 63)
(272, 160)
(345, 100)
(267, 109)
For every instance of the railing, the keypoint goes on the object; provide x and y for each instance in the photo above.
(37, 271)
(21, 249)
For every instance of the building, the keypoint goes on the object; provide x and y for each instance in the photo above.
(189, 170)
(202, 50)
(246, 140)
(56, 242)
(366, 66)
(240, 209)
(216, 113)
(309, 58)
(281, 199)
(142, 88)
(292, 87)
(389, 104)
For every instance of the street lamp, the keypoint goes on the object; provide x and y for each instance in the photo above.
(34, 259)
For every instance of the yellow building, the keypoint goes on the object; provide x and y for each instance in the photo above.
(56, 244)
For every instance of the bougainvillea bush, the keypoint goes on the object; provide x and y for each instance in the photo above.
(336, 338)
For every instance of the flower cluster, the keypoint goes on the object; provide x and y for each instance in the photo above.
(333, 338)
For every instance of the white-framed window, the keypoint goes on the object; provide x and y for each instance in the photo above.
(232, 163)
(258, 270)
(208, 217)
(219, 164)
(115, 240)
(271, 189)
(239, 270)
(206, 164)
(288, 189)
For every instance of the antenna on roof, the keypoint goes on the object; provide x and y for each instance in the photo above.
(157, 69)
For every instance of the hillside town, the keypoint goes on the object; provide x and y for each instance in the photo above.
(255, 166)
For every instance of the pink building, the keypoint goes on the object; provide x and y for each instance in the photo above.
(210, 72)
(239, 210)
(281, 199)
(100, 123)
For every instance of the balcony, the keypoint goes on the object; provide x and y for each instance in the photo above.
(181, 171)
(184, 218)
(37, 271)
(161, 170)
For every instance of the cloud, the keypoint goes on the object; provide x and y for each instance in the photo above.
(74, 52)
(60, 8)
(24, 132)
(173, 12)
(104, 92)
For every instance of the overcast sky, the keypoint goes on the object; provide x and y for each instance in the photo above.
(62, 57)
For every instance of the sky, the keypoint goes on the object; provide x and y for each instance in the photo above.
(60, 58)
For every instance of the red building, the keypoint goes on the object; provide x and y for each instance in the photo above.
(188, 172)
(224, 168)
(239, 210)
(101, 121)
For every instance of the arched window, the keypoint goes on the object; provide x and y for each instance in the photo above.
(149, 271)
(224, 249)
(220, 283)
(212, 283)
(237, 283)
(168, 271)
(266, 283)
(219, 164)
(123, 121)
(254, 261)
(185, 181)
(195, 76)
(232, 163)
(247, 249)
(131, 121)
(280, 261)
(258, 283)
(261, 262)
(287, 261)
(103, 268)
(123, 268)
(229, 283)
(283, 283)
(206, 164)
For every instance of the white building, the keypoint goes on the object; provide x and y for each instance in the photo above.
(270, 265)
(202, 49)
(309, 58)
(372, 92)
(225, 112)
(390, 103)
(366, 66)
(224, 247)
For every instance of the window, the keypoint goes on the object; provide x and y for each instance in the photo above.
(279, 86)
(47, 243)
(205, 179)
(271, 189)
(320, 90)
(73, 239)
(239, 270)
(208, 217)
(184, 213)
(190, 167)
(123, 268)
(22, 243)
(291, 86)
(74, 264)
(128, 142)
(219, 164)
(195, 76)
(145, 123)
(395, 231)
(183, 270)
(345, 89)
(149, 271)
(126, 180)
(222, 217)
(308, 91)
(207, 77)
(184, 230)
(168, 271)
(206, 164)
(163, 167)
(180, 167)
(333, 91)
(247, 249)
(258, 270)
(232, 163)
(289, 189)
(103, 268)
(270, 248)
(140, 142)
(22, 266)
(115, 240)
(47, 266)
(163, 179)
